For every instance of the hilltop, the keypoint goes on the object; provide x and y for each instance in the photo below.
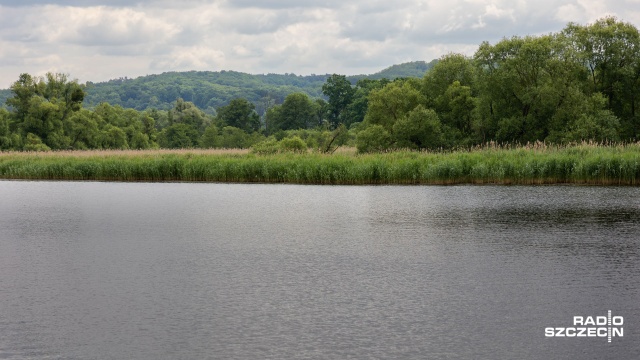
(211, 89)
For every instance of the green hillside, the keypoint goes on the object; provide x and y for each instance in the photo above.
(4, 95)
(405, 70)
(209, 90)
(206, 89)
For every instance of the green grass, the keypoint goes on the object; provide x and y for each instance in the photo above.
(579, 164)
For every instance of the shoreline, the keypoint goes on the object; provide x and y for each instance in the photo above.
(580, 165)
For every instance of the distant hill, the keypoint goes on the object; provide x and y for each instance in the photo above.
(4, 95)
(209, 89)
(406, 70)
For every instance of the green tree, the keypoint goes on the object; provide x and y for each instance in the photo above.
(179, 136)
(297, 111)
(340, 93)
(392, 103)
(234, 138)
(185, 112)
(374, 138)
(40, 106)
(611, 51)
(82, 129)
(449, 69)
(209, 137)
(113, 137)
(34, 143)
(138, 127)
(23, 91)
(8, 139)
(357, 109)
(420, 129)
(241, 114)
(523, 83)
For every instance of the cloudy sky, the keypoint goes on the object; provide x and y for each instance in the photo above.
(97, 40)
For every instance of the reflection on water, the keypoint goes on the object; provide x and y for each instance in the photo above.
(146, 271)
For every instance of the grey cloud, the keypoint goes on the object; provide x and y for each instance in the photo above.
(102, 35)
(375, 27)
(266, 22)
(284, 4)
(162, 4)
(295, 36)
(365, 8)
(79, 3)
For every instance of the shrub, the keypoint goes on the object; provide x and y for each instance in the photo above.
(373, 139)
(293, 144)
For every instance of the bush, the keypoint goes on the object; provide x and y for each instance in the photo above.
(266, 147)
(293, 144)
(34, 143)
(373, 139)
(419, 129)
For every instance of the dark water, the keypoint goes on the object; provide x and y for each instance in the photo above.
(218, 271)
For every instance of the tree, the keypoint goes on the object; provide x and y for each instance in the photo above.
(374, 138)
(420, 129)
(138, 127)
(234, 138)
(23, 91)
(296, 112)
(357, 109)
(8, 139)
(241, 114)
(34, 143)
(41, 105)
(112, 137)
(610, 49)
(179, 136)
(392, 103)
(340, 93)
(82, 129)
(186, 112)
(523, 83)
(449, 69)
(208, 139)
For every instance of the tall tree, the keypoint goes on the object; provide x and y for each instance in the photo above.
(393, 102)
(357, 109)
(296, 112)
(240, 113)
(611, 51)
(524, 82)
(340, 93)
(41, 106)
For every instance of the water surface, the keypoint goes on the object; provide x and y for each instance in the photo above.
(92, 270)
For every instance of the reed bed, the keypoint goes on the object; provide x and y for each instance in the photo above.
(531, 164)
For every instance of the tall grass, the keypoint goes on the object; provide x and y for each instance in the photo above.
(491, 164)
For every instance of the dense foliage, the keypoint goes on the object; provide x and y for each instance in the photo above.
(209, 90)
(582, 83)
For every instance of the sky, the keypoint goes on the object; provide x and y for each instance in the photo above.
(98, 40)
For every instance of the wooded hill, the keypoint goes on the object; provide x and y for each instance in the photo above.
(209, 90)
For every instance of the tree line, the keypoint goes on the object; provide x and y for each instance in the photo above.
(581, 83)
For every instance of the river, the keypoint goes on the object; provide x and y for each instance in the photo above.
(98, 270)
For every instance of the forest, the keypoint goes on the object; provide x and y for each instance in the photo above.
(578, 84)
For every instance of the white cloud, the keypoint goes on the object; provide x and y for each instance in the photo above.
(582, 11)
(97, 39)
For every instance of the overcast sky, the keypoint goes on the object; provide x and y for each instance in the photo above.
(97, 40)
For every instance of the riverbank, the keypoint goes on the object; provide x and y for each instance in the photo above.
(539, 164)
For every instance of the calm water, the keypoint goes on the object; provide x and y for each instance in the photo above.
(217, 271)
